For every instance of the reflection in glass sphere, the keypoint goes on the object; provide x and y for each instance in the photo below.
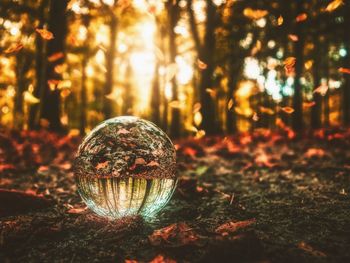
(126, 166)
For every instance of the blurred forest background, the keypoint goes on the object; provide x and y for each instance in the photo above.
(193, 67)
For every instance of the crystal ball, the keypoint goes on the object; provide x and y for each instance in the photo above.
(126, 166)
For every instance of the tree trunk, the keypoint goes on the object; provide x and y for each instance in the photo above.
(346, 85)
(155, 97)
(40, 56)
(110, 56)
(58, 26)
(207, 55)
(231, 117)
(298, 88)
(128, 97)
(316, 111)
(173, 11)
(20, 87)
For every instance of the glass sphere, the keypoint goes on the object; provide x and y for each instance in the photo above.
(124, 167)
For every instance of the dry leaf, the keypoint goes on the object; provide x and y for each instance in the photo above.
(266, 110)
(197, 118)
(55, 56)
(102, 165)
(301, 17)
(230, 104)
(231, 227)
(211, 92)
(29, 98)
(311, 250)
(308, 104)
(175, 235)
(322, 90)
(14, 48)
(201, 65)
(293, 37)
(334, 5)
(288, 110)
(254, 13)
(280, 20)
(344, 70)
(45, 34)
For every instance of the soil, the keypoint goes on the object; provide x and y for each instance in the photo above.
(254, 197)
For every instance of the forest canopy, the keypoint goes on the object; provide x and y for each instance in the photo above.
(192, 67)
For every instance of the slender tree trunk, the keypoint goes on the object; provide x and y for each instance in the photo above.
(155, 97)
(346, 85)
(207, 55)
(110, 56)
(128, 98)
(83, 96)
(40, 56)
(20, 87)
(173, 11)
(231, 117)
(298, 88)
(316, 111)
(58, 26)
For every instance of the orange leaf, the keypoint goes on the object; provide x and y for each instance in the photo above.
(280, 20)
(311, 250)
(301, 17)
(309, 104)
(45, 34)
(266, 110)
(322, 90)
(231, 227)
(201, 64)
(254, 14)
(334, 5)
(288, 110)
(55, 56)
(14, 48)
(293, 37)
(344, 70)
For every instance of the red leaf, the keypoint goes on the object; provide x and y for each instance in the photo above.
(175, 235)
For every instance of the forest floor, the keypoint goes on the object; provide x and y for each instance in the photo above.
(258, 197)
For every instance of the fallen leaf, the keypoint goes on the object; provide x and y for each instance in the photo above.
(230, 104)
(76, 210)
(334, 5)
(197, 118)
(315, 153)
(162, 259)
(231, 227)
(309, 104)
(211, 92)
(30, 98)
(287, 110)
(254, 14)
(322, 90)
(266, 110)
(175, 235)
(201, 65)
(293, 37)
(45, 34)
(102, 165)
(280, 21)
(55, 56)
(311, 250)
(301, 17)
(14, 48)
(344, 70)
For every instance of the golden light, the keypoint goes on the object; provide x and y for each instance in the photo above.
(185, 71)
